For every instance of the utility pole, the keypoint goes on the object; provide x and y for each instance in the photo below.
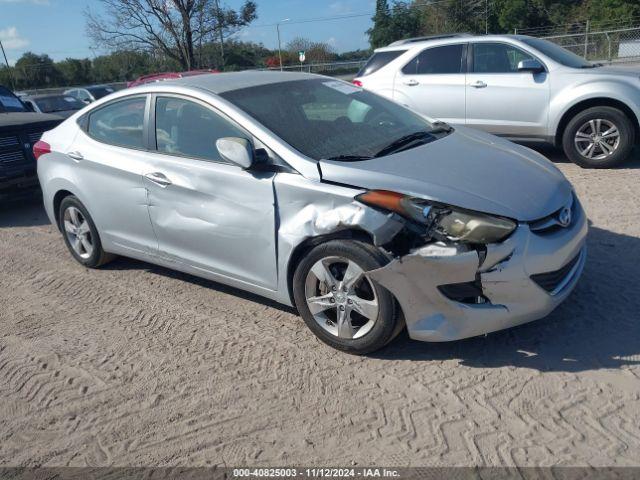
(13, 85)
(486, 17)
(279, 45)
(219, 14)
(586, 40)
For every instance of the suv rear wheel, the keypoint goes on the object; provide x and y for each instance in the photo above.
(599, 137)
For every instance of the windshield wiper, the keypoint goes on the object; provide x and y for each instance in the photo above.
(350, 158)
(406, 142)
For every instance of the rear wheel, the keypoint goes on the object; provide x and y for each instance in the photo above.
(599, 137)
(80, 234)
(343, 307)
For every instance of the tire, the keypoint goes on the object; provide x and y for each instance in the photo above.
(342, 258)
(73, 216)
(583, 124)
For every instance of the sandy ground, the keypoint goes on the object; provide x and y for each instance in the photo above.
(138, 365)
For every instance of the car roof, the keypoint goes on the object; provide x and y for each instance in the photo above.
(88, 87)
(420, 42)
(43, 95)
(224, 82)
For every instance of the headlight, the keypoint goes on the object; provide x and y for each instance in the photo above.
(449, 222)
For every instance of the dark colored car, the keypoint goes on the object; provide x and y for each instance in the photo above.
(57, 104)
(19, 130)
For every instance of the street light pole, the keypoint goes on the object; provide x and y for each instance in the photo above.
(13, 85)
(486, 17)
(279, 46)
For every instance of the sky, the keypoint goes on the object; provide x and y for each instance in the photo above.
(57, 27)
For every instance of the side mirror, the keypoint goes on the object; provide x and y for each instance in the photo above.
(86, 101)
(530, 65)
(29, 107)
(238, 151)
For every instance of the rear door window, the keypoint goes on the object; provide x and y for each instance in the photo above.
(379, 60)
(446, 59)
(120, 123)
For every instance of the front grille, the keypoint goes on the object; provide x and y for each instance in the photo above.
(551, 280)
(34, 136)
(8, 141)
(11, 157)
(550, 223)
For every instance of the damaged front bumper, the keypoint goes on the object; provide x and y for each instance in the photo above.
(522, 279)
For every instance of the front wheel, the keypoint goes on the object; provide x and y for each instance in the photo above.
(340, 305)
(599, 137)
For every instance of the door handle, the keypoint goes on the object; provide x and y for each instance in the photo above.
(478, 84)
(159, 179)
(412, 82)
(77, 156)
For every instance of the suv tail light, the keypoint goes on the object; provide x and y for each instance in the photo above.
(40, 148)
(357, 83)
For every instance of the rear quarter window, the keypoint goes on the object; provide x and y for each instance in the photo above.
(379, 60)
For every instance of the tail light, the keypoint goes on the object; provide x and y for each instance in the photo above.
(40, 148)
(357, 83)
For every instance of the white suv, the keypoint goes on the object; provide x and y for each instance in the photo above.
(523, 88)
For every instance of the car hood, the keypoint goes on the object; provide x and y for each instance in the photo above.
(19, 120)
(468, 169)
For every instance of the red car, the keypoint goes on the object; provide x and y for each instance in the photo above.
(159, 77)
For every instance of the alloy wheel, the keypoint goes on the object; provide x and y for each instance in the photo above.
(597, 139)
(78, 232)
(341, 298)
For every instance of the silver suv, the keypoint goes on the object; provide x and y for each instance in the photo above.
(523, 88)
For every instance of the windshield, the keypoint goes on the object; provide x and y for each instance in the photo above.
(99, 92)
(9, 102)
(58, 104)
(330, 119)
(557, 53)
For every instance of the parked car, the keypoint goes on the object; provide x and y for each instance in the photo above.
(315, 193)
(19, 130)
(523, 88)
(88, 95)
(161, 77)
(60, 105)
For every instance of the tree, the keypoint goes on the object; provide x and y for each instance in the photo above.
(316, 52)
(75, 71)
(176, 28)
(392, 24)
(126, 65)
(379, 34)
(33, 70)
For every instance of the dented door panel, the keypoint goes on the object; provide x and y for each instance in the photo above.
(215, 217)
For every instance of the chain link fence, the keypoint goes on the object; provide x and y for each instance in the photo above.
(609, 46)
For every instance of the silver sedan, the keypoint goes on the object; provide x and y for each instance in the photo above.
(364, 215)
